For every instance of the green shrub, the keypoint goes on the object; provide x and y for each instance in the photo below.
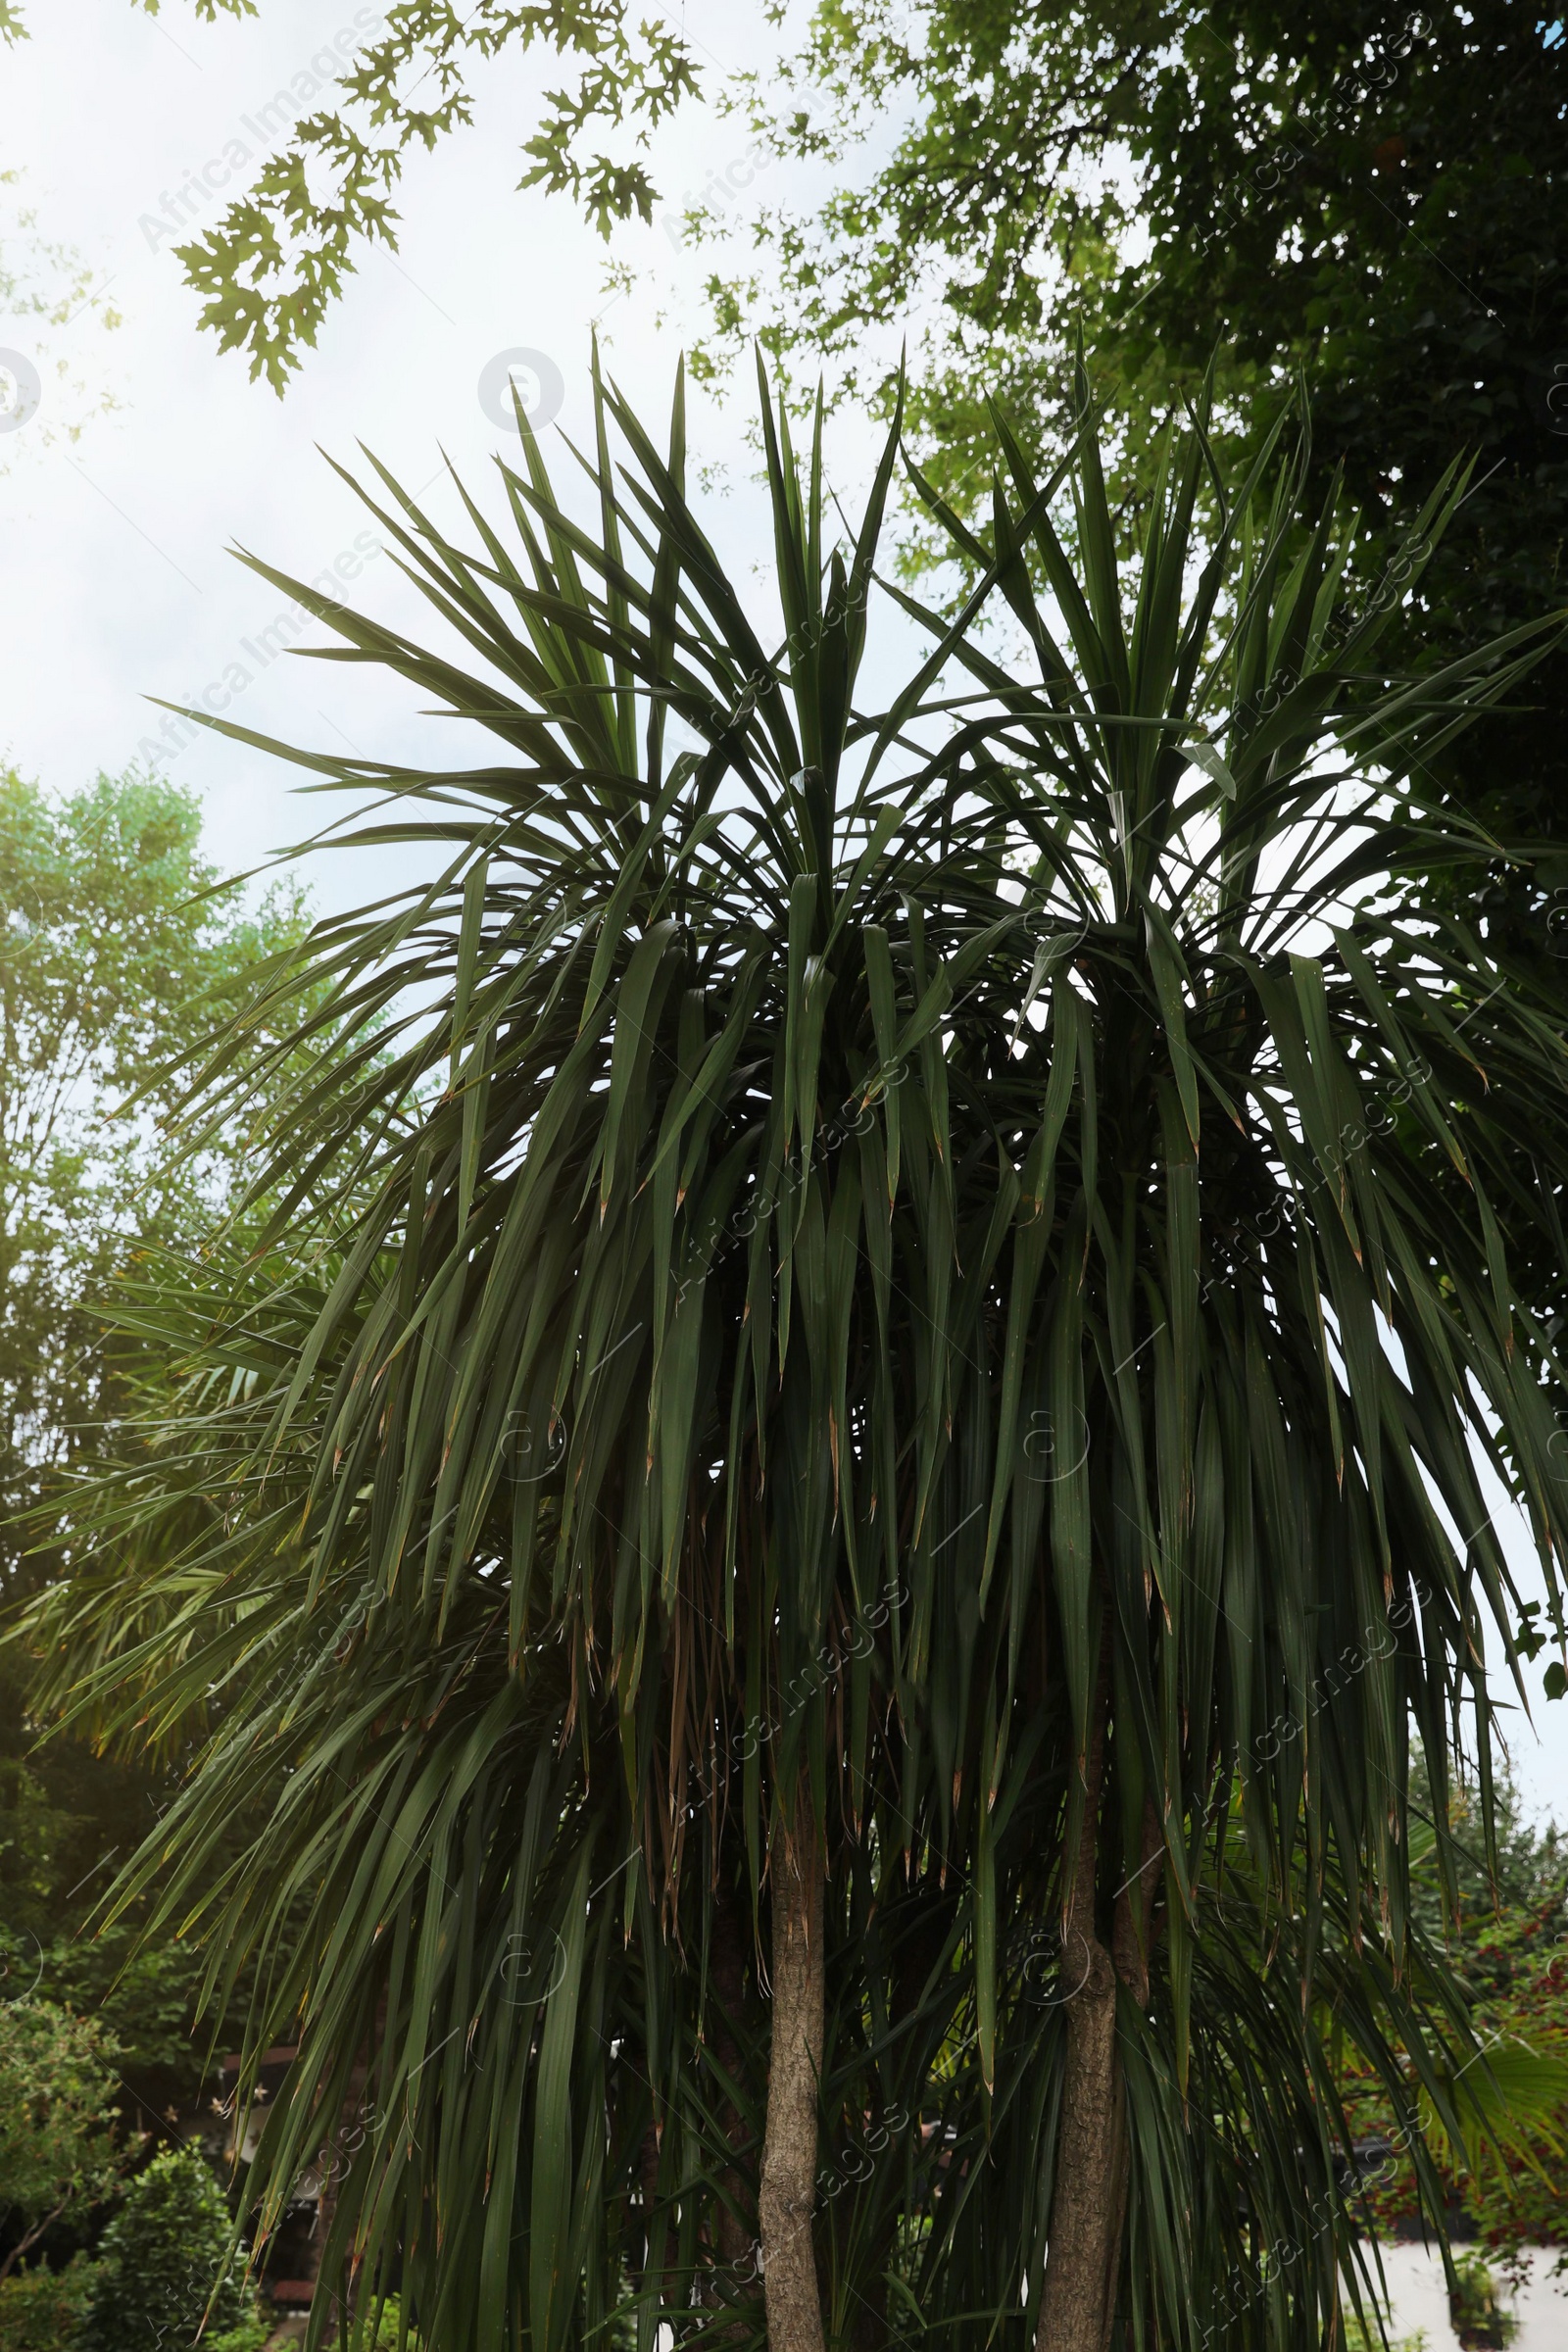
(42, 2310)
(59, 2151)
(387, 2326)
(249, 2337)
(1360, 2338)
(163, 2255)
(1480, 2319)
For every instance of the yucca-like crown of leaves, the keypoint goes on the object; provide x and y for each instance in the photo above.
(846, 1247)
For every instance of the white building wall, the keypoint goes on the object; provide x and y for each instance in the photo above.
(1419, 2301)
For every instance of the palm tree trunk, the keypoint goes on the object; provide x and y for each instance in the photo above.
(789, 2153)
(1079, 2301)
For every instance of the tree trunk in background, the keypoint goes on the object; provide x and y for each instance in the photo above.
(789, 2154)
(28, 2238)
(1079, 2301)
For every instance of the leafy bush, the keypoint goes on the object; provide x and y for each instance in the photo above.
(164, 2255)
(42, 2310)
(57, 2150)
(1475, 2307)
(388, 2327)
(1359, 2338)
(249, 2337)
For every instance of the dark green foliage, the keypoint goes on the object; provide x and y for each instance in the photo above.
(875, 1243)
(1505, 1945)
(1481, 2321)
(42, 2310)
(116, 947)
(112, 945)
(1372, 197)
(1523, 1873)
(169, 2260)
(1374, 194)
(69, 1818)
(59, 2154)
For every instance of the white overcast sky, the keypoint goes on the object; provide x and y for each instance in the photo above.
(117, 583)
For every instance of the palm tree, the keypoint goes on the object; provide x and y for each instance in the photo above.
(801, 1572)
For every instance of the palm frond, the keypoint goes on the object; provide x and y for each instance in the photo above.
(884, 1245)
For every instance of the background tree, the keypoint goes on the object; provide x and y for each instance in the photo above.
(1325, 193)
(59, 2153)
(834, 1409)
(1506, 1935)
(114, 942)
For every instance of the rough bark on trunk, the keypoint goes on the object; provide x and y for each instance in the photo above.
(789, 2154)
(1079, 2299)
